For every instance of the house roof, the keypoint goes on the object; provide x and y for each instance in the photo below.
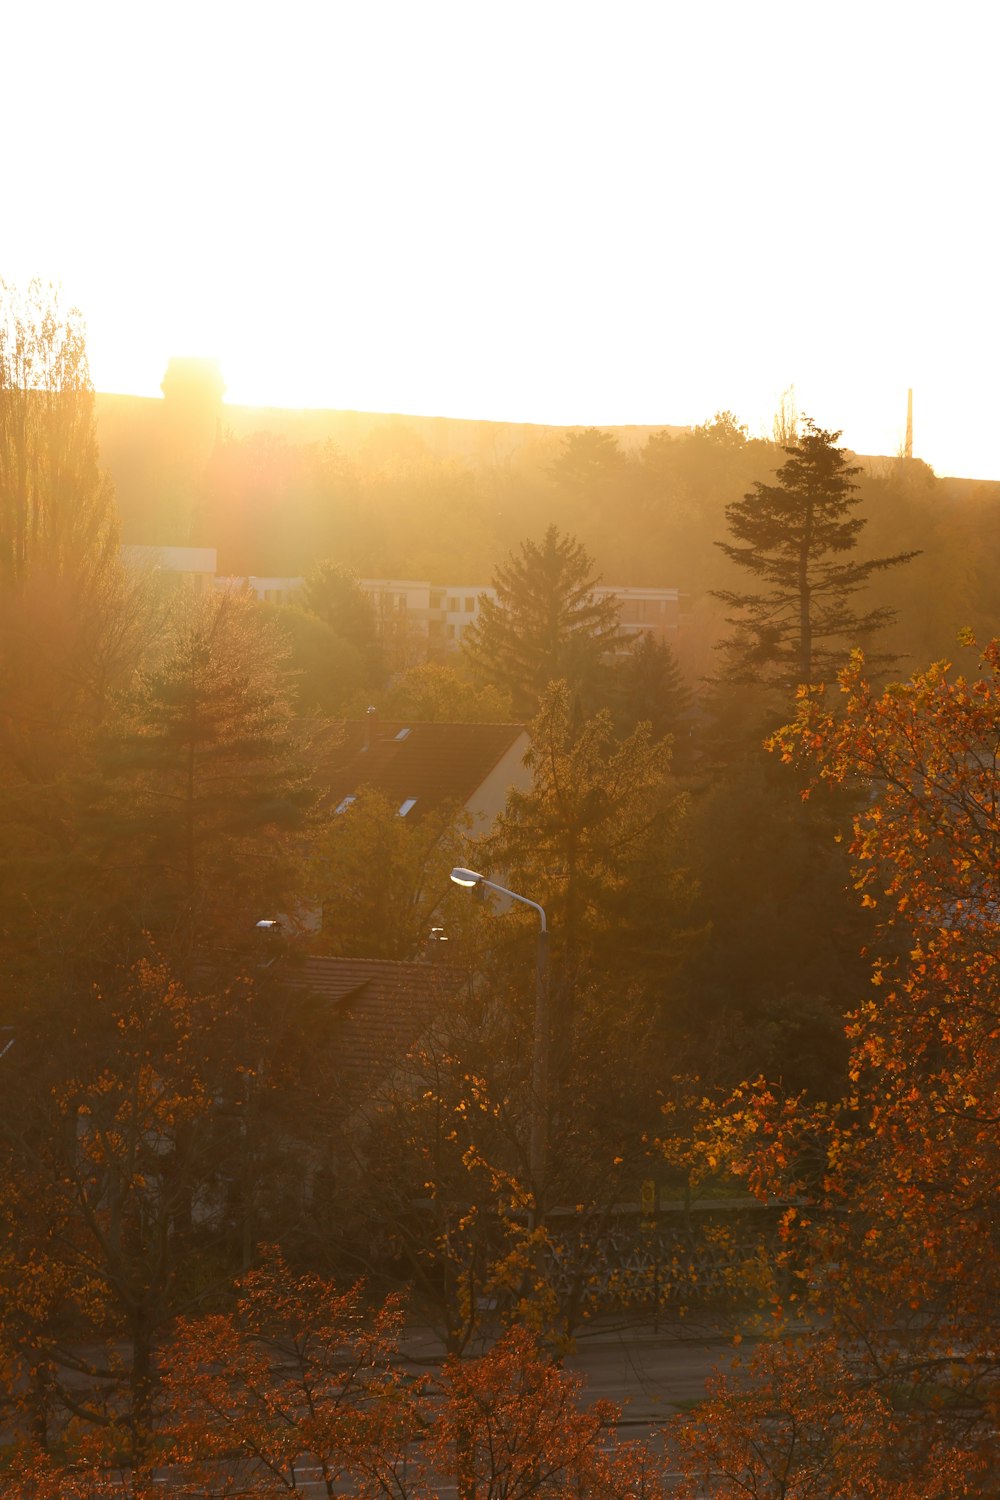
(427, 765)
(381, 1007)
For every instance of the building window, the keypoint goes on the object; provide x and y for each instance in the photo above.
(470, 605)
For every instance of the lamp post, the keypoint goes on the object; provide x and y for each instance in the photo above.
(538, 1139)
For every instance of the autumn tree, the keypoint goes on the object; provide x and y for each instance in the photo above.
(328, 674)
(794, 537)
(300, 1377)
(513, 1423)
(544, 624)
(435, 1184)
(439, 693)
(381, 880)
(595, 837)
(302, 1384)
(119, 1135)
(896, 1252)
(800, 1423)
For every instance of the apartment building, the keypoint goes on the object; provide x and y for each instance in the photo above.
(415, 617)
(440, 615)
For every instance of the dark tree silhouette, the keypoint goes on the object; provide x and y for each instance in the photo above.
(544, 624)
(202, 779)
(649, 685)
(795, 537)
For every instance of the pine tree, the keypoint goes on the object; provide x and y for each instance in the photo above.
(649, 686)
(544, 624)
(795, 536)
(67, 613)
(202, 777)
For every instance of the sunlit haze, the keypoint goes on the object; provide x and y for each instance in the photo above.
(560, 213)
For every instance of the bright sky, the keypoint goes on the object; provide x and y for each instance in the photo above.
(555, 211)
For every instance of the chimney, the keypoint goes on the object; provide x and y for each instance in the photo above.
(908, 450)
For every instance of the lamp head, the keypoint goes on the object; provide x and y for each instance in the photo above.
(468, 878)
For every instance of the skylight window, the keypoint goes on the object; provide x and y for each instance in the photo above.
(402, 733)
(405, 807)
(345, 804)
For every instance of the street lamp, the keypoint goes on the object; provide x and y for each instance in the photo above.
(538, 1141)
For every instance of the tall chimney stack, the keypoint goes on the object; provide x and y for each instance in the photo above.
(908, 449)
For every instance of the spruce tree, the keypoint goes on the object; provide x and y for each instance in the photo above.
(795, 536)
(68, 616)
(202, 779)
(649, 686)
(544, 624)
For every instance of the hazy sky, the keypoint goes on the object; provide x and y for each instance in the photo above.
(554, 212)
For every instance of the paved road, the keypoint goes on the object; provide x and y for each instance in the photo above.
(650, 1375)
(648, 1372)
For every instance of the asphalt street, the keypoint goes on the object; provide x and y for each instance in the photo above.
(649, 1373)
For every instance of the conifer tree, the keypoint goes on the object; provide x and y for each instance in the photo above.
(202, 777)
(795, 537)
(544, 624)
(649, 686)
(595, 839)
(67, 613)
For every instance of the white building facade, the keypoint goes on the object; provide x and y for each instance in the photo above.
(416, 617)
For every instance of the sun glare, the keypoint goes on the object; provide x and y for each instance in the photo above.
(605, 226)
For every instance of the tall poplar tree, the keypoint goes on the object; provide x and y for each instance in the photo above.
(544, 624)
(796, 537)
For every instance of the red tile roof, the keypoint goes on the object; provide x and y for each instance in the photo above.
(382, 1007)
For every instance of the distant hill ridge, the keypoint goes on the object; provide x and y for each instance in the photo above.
(124, 421)
(443, 437)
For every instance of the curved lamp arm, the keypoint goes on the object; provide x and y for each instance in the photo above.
(470, 878)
